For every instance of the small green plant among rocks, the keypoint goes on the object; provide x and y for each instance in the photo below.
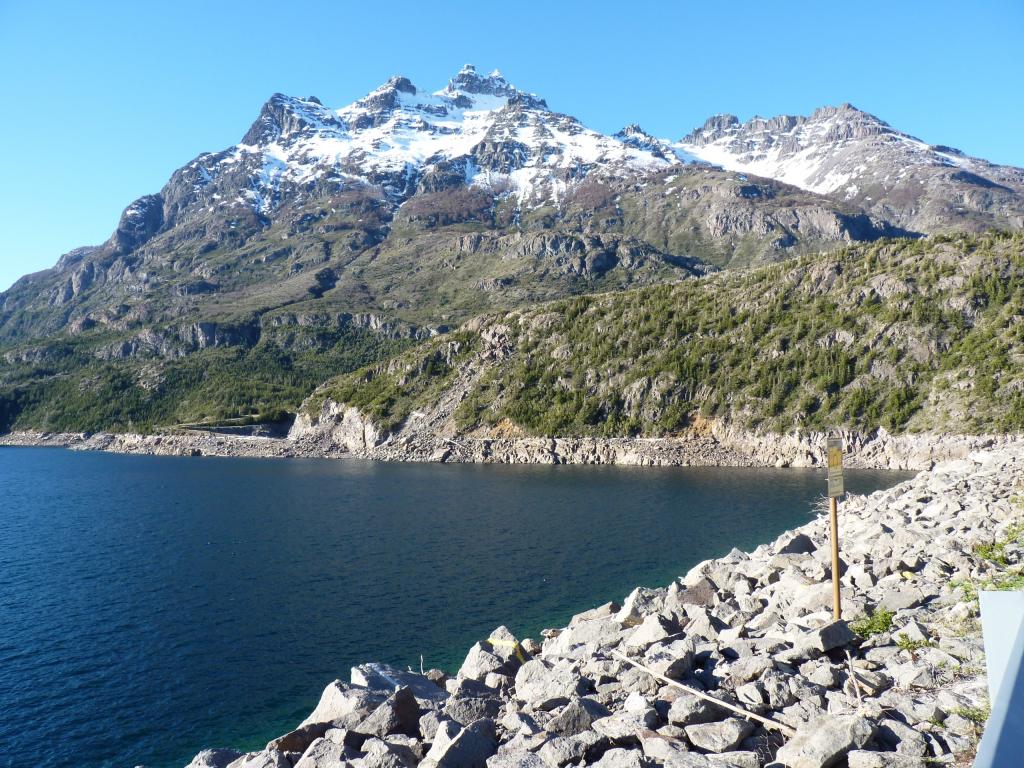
(875, 623)
(977, 715)
(906, 644)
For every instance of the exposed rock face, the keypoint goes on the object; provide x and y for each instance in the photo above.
(337, 429)
(851, 155)
(750, 637)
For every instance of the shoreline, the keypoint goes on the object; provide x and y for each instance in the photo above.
(721, 446)
(753, 630)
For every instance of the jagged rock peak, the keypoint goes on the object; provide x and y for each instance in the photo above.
(470, 83)
(632, 129)
(467, 80)
(282, 115)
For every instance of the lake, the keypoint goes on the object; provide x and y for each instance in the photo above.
(154, 606)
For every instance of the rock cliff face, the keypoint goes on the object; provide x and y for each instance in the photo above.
(737, 663)
(339, 430)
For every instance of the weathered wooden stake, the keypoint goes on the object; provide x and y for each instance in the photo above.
(837, 609)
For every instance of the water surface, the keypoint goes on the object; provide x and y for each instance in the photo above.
(154, 606)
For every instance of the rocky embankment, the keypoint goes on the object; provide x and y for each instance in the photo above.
(339, 431)
(754, 631)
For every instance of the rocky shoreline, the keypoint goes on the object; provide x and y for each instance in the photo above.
(340, 432)
(904, 686)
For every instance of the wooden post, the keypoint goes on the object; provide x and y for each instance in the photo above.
(835, 490)
(833, 513)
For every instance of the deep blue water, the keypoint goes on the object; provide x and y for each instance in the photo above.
(151, 606)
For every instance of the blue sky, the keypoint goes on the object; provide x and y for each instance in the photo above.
(102, 101)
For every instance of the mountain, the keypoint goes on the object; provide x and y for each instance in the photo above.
(328, 238)
(853, 156)
(417, 208)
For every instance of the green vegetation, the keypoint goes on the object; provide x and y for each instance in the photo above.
(73, 391)
(388, 392)
(977, 715)
(909, 335)
(873, 624)
(906, 644)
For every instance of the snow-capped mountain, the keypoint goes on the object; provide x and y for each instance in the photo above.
(425, 208)
(477, 130)
(852, 155)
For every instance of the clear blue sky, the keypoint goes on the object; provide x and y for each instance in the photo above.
(102, 101)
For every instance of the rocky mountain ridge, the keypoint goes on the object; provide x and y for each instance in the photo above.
(851, 155)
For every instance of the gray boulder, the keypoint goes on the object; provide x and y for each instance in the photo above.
(833, 635)
(576, 716)
(458, 747)
(299, 739)
(723, 736)
(545, 687)
(214, 758)
(825, 740)
(517, 759)
(386, 679)
(625, 727)
(687, 709)
(268, 758)
(323, 753)
(340, 699)
(378, 753)
(501, 653)
(562, 750)
(622, 758)
(400, 713)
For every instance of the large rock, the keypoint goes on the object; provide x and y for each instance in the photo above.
(671, 658)
(378, 753)
(340, 699)
(214, 758)
(299, 739)
(324, 753)
(268, 758)
(625, 727)
(562, 750)
(722, 736)
(518, 759)
(500, 653)
(545, 687)
(622, 758)
(585, 638)
(825, 741)
(399, 714)
(576, 716)
(458, 747)
(653, 629)
(386, 679)
(832, 635)
(687, 709)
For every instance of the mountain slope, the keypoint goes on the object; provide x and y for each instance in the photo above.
(854, 156)
(906, 335)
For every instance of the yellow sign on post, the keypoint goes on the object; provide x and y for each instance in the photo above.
(835, 467)
(835, 490)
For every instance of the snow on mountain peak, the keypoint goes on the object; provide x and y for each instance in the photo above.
(833, 149)
(398, 134)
